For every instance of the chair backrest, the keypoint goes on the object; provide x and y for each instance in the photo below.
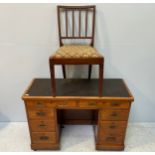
(76, 22)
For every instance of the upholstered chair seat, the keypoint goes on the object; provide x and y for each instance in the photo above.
(76, 51)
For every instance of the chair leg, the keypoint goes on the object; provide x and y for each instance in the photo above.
(64, 71)
(53, 85)
(89, 71)
(101, 79)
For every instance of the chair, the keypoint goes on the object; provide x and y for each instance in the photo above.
(82, 17)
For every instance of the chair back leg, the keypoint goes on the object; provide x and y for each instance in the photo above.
(64, 71)
(89, 71)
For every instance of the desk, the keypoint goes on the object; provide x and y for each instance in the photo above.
(77, 102)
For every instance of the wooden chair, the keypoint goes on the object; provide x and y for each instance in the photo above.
(76, 54)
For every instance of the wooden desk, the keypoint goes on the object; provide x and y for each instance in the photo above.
(77, 102)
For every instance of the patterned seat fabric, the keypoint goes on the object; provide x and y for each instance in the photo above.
(76, 51)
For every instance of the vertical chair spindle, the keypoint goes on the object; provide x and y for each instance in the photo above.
(73, 23)
(79, 23)
(86, 24)
(66, 14)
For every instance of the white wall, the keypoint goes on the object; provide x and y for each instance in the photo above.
(125, 34)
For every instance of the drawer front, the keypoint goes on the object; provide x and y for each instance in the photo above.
(111, 139)
(39, 104)
(107, 127)
(66, 104)
(43, 137)
(113, 124)
(115, 104)
(41, 114)
(114, 114)
(105, 131)
(42, 125)
(89, 104)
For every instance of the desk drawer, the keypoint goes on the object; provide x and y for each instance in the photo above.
(42, 125)
(39, 104)
(65, 104)
(115, 104)
(111, 139)
(41, 114)
(43, 137)
(114, 114)
(89, 104)
(108, 127)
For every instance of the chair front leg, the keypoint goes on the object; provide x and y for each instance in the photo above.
(53, 85)
(101, 79)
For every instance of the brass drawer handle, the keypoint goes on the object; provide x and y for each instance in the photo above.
(63, 104)
(112, 126)
(110, 138)
(42, 125)
(40, 104)
(44, 138)
(114, 114)
(92, 104)
(115, 104)
(41, 113)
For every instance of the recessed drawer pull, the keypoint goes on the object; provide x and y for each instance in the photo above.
(110, 138)
(41, 113)
(114, 114)
(44, 138)
(115, 104)
(42, 125)
(92, 104)
(40, 104)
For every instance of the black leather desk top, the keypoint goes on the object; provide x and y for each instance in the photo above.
(79, 87)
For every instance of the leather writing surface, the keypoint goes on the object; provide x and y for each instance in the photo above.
(79, 87)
